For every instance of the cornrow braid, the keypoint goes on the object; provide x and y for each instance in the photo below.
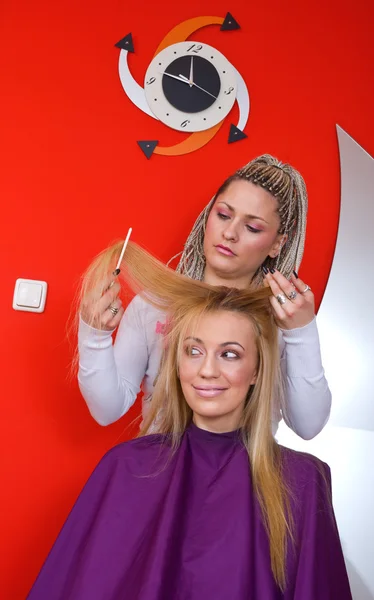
(288, 187)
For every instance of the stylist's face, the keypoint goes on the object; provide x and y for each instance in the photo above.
(242, 230)
(217, 367)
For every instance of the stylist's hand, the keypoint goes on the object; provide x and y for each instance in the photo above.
(295, 304)
(104, 312)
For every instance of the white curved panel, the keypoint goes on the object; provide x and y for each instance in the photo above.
(346, 327)
(346, 315)
(132, 89)
(242, 98)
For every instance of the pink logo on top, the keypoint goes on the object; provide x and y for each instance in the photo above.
(160, 328)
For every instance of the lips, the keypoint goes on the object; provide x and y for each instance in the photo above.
(225, 250)
(207, 391)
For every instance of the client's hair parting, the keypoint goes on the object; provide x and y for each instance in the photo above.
(185, 300)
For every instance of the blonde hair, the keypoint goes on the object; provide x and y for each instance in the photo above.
(287, 185)
(185, 301)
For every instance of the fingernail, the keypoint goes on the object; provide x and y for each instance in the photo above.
(116, 272)
(265, 270)
(272, 271)
(296, 275)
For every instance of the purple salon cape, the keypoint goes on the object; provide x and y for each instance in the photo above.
(153, 526)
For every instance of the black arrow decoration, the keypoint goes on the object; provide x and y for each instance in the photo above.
(229, 24)
(126, 43)
(236, 135)
(148, 146)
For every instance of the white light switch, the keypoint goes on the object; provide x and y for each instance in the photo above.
(30, 295)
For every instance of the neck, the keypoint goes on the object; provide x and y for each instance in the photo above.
(217, 279)
(222, 424)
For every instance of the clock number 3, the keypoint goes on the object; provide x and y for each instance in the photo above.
(185, 123)
(195, 48)
(151, 80)
(227, 92)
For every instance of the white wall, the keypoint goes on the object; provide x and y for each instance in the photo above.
(346, 326)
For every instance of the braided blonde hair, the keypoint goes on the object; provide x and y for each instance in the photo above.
(288, 187)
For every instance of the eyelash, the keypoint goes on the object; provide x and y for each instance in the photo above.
(231, 357)
(249, 227)
(189, 351)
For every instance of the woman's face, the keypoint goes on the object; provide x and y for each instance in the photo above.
(242, 230)
(217, 367)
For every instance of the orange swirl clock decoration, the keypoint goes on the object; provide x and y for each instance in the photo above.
(195, 101)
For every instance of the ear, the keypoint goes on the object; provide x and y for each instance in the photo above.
(254, 378)
(279, 243)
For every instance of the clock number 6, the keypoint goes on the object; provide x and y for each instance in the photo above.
(195, 48)
(227, 92)
(185, 123)
(151, 80)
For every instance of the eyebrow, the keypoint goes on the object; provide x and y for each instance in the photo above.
(247, 216)
(199, 341)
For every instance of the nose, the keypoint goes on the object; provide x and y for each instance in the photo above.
(230, 232)
(209, 368)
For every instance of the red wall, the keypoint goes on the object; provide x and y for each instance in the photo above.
(73, 178)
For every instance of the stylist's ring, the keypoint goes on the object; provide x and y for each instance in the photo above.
(292, 295)
(307, 289)
(281, 298)
(113, 309)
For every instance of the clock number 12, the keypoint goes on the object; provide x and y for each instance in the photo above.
(195, 48)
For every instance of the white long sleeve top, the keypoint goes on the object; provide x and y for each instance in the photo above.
(112, 374)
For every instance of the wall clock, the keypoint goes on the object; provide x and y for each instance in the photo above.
(189, 86)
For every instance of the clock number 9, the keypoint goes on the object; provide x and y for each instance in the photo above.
(227, 92)
(195, 48)
(151, 80)
(185, 123)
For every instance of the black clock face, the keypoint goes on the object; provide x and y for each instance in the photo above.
(191, 98)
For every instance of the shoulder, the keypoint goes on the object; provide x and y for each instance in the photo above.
(140, 453)
(303, 470)
(144, 309)
(308, 483)
(142, 316)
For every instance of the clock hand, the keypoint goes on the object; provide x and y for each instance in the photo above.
(186, 80)
(191, 72)
(182, 79)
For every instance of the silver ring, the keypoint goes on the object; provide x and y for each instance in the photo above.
(113, 309)
(307, 289)
(281, 298)
(292, 295)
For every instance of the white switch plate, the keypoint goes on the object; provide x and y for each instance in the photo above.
(30, 295)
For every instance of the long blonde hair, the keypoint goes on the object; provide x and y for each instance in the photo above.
(185, 300)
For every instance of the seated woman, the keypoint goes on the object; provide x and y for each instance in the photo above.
(209, 506)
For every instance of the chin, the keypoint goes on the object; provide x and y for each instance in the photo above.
(209, 414)
(221, 264)
(207, 408)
